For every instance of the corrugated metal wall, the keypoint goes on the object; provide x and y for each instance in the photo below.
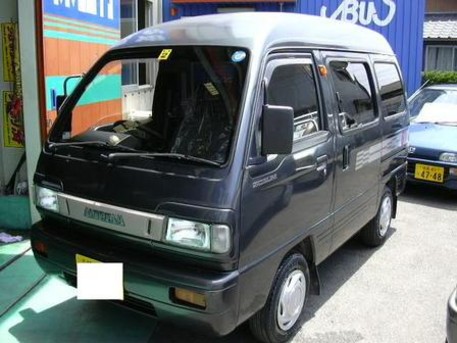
(400, 21)
(73, 40)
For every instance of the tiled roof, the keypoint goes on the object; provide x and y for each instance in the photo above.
(440, 26)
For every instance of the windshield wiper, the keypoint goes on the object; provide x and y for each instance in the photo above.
(444, 123)
(120, 155)
(56, 145)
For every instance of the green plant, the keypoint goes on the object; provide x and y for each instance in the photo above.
(434, 77)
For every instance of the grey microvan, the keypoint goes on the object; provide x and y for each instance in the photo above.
(221, 159)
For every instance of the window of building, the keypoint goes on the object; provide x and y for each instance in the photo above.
(294, 85)
(129, 25)
(137, 15)
(391, 88)
(353, 87)
(441, 58)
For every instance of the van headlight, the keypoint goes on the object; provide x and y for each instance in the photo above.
(199, 236)
(448, 157)
(46, 198)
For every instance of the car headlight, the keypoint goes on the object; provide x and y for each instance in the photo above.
(448, 157)
(199, 236)
(46, 198)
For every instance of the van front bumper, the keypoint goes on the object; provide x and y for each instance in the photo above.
(148, 284)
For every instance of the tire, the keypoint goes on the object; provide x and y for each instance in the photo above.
(272, 324)
(375, 232)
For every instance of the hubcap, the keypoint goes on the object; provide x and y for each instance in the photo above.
(385, 216)
(291, 300)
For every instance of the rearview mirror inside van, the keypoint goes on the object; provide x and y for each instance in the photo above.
(277, 129)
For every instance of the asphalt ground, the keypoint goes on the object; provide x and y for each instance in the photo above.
(396, 293)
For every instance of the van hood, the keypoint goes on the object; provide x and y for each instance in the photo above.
(144, 185)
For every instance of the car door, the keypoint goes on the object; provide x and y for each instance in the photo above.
(395, 119)
(358, 143)
(288, 197)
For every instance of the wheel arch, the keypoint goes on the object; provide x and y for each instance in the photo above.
(392, 185)
(307, 249)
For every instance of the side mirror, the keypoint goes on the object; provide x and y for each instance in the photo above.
(277, 129)
(59, 101)
(61, 98)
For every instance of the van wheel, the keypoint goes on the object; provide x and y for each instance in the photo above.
(282, 316)
(375, 232)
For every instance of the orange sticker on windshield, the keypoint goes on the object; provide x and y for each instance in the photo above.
(165, 54)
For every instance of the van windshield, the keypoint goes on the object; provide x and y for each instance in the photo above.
(178, 100)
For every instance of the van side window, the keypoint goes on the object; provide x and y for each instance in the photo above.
(353, 87)
(391, 88)
(294, 85)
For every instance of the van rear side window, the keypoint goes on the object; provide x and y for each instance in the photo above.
(354, 90)
(294, 85)
(391, 88)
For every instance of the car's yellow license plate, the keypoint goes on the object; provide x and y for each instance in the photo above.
(429, 173)
(85, 259)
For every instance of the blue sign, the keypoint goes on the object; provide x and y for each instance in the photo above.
(374, 13)
(98, 12)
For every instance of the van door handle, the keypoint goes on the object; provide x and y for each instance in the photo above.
(321, 163)
(346, 157)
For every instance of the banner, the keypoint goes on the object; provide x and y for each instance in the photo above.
(13, 128)
(10, 50)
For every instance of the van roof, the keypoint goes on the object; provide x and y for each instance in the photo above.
(260, 30)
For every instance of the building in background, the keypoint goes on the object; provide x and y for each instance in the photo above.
(440, 35)
(73, 37)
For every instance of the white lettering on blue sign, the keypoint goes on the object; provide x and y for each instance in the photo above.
(363, 12)
(94, 7)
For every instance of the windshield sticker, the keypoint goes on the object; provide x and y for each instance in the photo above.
(164, 54)
(211, 89)
(238, 56)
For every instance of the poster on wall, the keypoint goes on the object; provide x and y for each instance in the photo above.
(13, 128)
(12, 111)
(10, 50)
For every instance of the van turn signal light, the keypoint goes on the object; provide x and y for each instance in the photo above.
(189, 297)
(323, 70)
(40, 248)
